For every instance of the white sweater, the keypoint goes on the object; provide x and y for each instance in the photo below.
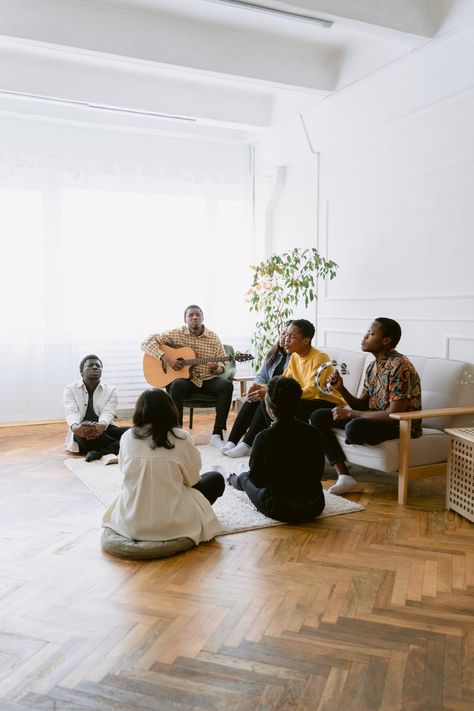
(157, 501)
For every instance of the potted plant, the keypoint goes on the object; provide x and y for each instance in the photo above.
(280, 283)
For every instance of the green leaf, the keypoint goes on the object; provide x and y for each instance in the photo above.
(292, 277)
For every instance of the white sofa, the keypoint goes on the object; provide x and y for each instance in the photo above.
(447, 401)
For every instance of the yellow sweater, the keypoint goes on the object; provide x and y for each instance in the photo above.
(303, 370)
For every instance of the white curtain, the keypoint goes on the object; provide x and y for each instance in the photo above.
(107, 235)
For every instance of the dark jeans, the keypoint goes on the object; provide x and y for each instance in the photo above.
(211, 485)
(182, 388)
(287, 511)
(108, 442)
(360, 430)
(305, 409)
(248, 423)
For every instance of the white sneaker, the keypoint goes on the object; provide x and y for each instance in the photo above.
(216, 441)
(241, 450)
(227, 446)
(109, 459)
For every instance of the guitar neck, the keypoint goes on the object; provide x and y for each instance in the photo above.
(202, 361)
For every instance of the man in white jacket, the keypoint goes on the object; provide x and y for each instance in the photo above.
(90, 408)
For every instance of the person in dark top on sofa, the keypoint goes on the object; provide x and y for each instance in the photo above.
(287, 460)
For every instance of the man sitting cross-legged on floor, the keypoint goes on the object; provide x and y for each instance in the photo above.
(391, 384)
(90, 407)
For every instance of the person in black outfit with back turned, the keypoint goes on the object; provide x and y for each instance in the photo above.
(287, 461)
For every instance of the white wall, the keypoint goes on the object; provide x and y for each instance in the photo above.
(286, 194)
(396, 185)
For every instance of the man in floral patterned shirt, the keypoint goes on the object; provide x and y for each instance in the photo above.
(391, 385)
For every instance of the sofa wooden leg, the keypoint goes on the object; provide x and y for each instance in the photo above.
(402, 489)
(403, 464)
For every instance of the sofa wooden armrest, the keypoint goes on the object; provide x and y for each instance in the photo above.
(405, 473)
(425, 414)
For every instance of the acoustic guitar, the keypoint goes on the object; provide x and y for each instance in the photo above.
(159, 374)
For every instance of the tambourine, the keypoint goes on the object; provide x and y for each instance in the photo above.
(328, 364)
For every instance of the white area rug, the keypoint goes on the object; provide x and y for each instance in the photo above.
(234, 509)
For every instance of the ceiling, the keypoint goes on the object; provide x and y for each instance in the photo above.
(215, 68)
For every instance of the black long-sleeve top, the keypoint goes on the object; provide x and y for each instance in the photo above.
(288, 458)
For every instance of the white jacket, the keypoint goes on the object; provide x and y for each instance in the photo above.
(75, 399)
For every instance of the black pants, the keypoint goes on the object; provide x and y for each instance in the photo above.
(211, 485)
(107, 443)
(248, 423)
(360, 430)
(287, 511)
(182, 388)
(305, 409)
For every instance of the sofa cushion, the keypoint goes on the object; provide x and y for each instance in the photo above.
(440, 386)
(122, 547)
(430, 448)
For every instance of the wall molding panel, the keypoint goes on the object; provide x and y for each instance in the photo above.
(464, 345)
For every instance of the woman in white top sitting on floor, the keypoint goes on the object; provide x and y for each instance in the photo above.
(163, 496)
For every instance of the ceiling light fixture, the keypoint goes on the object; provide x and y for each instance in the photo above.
(274, 11)
(96, 107)
(137, 112)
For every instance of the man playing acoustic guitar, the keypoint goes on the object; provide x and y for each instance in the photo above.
(203, 377)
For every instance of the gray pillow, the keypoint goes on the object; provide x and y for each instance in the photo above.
(123, 547)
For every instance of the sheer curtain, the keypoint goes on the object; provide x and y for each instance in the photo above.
(107, 235)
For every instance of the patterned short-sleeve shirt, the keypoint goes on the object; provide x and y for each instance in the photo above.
(393, 378)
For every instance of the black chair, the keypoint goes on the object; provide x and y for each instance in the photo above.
(202, 400)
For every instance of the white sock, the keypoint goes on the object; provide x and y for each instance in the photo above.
(215, 440)
(227, 446)
(220, 470)
(344, 484)
(241, 450)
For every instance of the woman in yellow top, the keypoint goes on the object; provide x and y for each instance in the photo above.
(302, 366)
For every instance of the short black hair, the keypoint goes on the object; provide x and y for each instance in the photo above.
(91, 356)
(390, 329)
(306, 327)
(284, 395)
(192, 306)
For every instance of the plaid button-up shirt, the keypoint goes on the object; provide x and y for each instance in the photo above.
(207, 345)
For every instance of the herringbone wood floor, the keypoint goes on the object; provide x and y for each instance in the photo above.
(372, 610)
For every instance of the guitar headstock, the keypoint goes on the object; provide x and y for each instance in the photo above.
(242, 357)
